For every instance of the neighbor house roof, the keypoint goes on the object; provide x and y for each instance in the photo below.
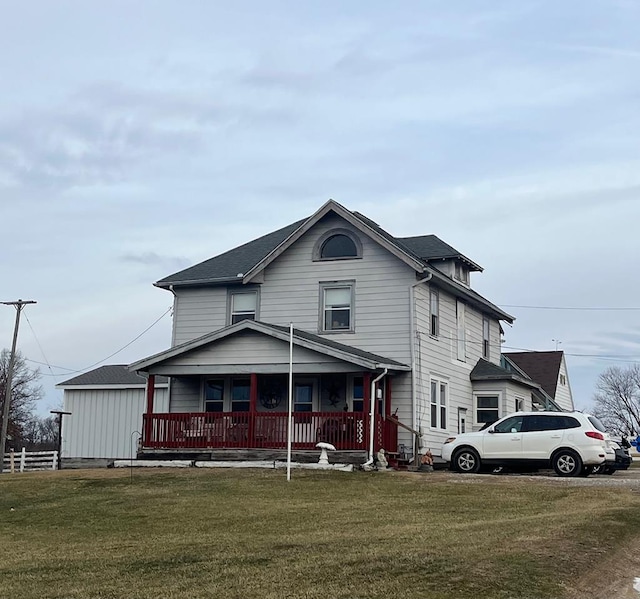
(111, 374)
(300, 338)
(542, 366)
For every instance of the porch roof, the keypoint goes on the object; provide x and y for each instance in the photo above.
(301, 339)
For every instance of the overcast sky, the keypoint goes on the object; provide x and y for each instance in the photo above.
(138, 138)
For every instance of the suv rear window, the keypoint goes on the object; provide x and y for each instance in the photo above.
(549, 422)
(599, 426)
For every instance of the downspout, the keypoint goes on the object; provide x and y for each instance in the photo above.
(373, 400)
(413, 333)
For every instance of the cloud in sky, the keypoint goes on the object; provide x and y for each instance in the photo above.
(133, 146)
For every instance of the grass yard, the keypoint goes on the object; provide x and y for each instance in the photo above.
(244, 534)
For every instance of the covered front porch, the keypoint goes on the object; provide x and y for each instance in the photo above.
(215, 404)
(243, 430)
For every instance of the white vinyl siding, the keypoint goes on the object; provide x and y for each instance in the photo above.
(461, 332)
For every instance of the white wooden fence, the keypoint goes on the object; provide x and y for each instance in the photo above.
(29, 461)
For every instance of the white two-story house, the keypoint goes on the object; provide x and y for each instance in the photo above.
(388, 335)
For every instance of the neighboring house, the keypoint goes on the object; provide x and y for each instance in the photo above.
(106, 407)
(549, 369)
(374, 317)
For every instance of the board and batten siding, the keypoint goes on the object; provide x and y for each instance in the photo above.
(103, 421)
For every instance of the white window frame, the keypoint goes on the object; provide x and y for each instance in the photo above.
(461, 331)
(461, 273)
(486, 337)
(488, 393)
(439, 405)
(326, 285)
(231, 293)
(317, 250)
(434, 312)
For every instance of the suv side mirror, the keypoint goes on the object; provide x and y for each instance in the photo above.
(491, 431)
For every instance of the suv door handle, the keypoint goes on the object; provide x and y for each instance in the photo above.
(556, 436)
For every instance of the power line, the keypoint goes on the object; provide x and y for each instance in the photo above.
(575, 308)
(72, 371)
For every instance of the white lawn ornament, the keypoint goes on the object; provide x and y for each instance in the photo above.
(324, 457)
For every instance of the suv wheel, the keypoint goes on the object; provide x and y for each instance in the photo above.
(567, 463)
(466, 460)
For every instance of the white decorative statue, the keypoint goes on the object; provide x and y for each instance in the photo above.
(382, 460)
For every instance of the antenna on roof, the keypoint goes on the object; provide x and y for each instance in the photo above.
(558, 342)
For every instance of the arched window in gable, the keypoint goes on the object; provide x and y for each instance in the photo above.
(338, 245)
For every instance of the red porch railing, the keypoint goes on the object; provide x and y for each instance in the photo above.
(202, 430)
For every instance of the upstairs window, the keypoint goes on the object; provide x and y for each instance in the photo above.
(434, 310)
(338, 244)
(243, 305)
(336, 307)
(461, 273)
(485, 338)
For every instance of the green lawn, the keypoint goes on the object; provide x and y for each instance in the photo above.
(237, 533)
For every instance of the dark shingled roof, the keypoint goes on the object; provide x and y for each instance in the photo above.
(431, 247)
(232, 263)
(226, 267)
(488, 371)
(112, 374)
(335, 344)
(542, 366)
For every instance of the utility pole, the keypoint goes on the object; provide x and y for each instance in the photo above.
(7, 396)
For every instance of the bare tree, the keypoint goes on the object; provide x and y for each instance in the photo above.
(617, 399)
(25, 392)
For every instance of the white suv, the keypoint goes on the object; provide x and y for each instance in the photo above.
(572, 443)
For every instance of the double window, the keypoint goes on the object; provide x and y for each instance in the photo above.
(336, 307)
(439, 403)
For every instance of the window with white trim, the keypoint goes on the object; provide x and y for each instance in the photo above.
(486, 407)
(439, 398)
(486, 337)
(461, 273)
(461, 345)
(434, 313)
(336, 301)
(243, 305)
(214, 395)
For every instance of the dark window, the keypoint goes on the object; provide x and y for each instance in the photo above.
(434, 309)
(487, 408)
(240, 395)
(510, 425)
(214, 396)
(303, 398)
(358, 394)
(485, 337)
(597, 424)
(338, 246)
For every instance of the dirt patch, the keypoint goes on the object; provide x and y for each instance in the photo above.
(612, 577)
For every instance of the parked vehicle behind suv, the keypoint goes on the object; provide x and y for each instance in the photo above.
(572, 443)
